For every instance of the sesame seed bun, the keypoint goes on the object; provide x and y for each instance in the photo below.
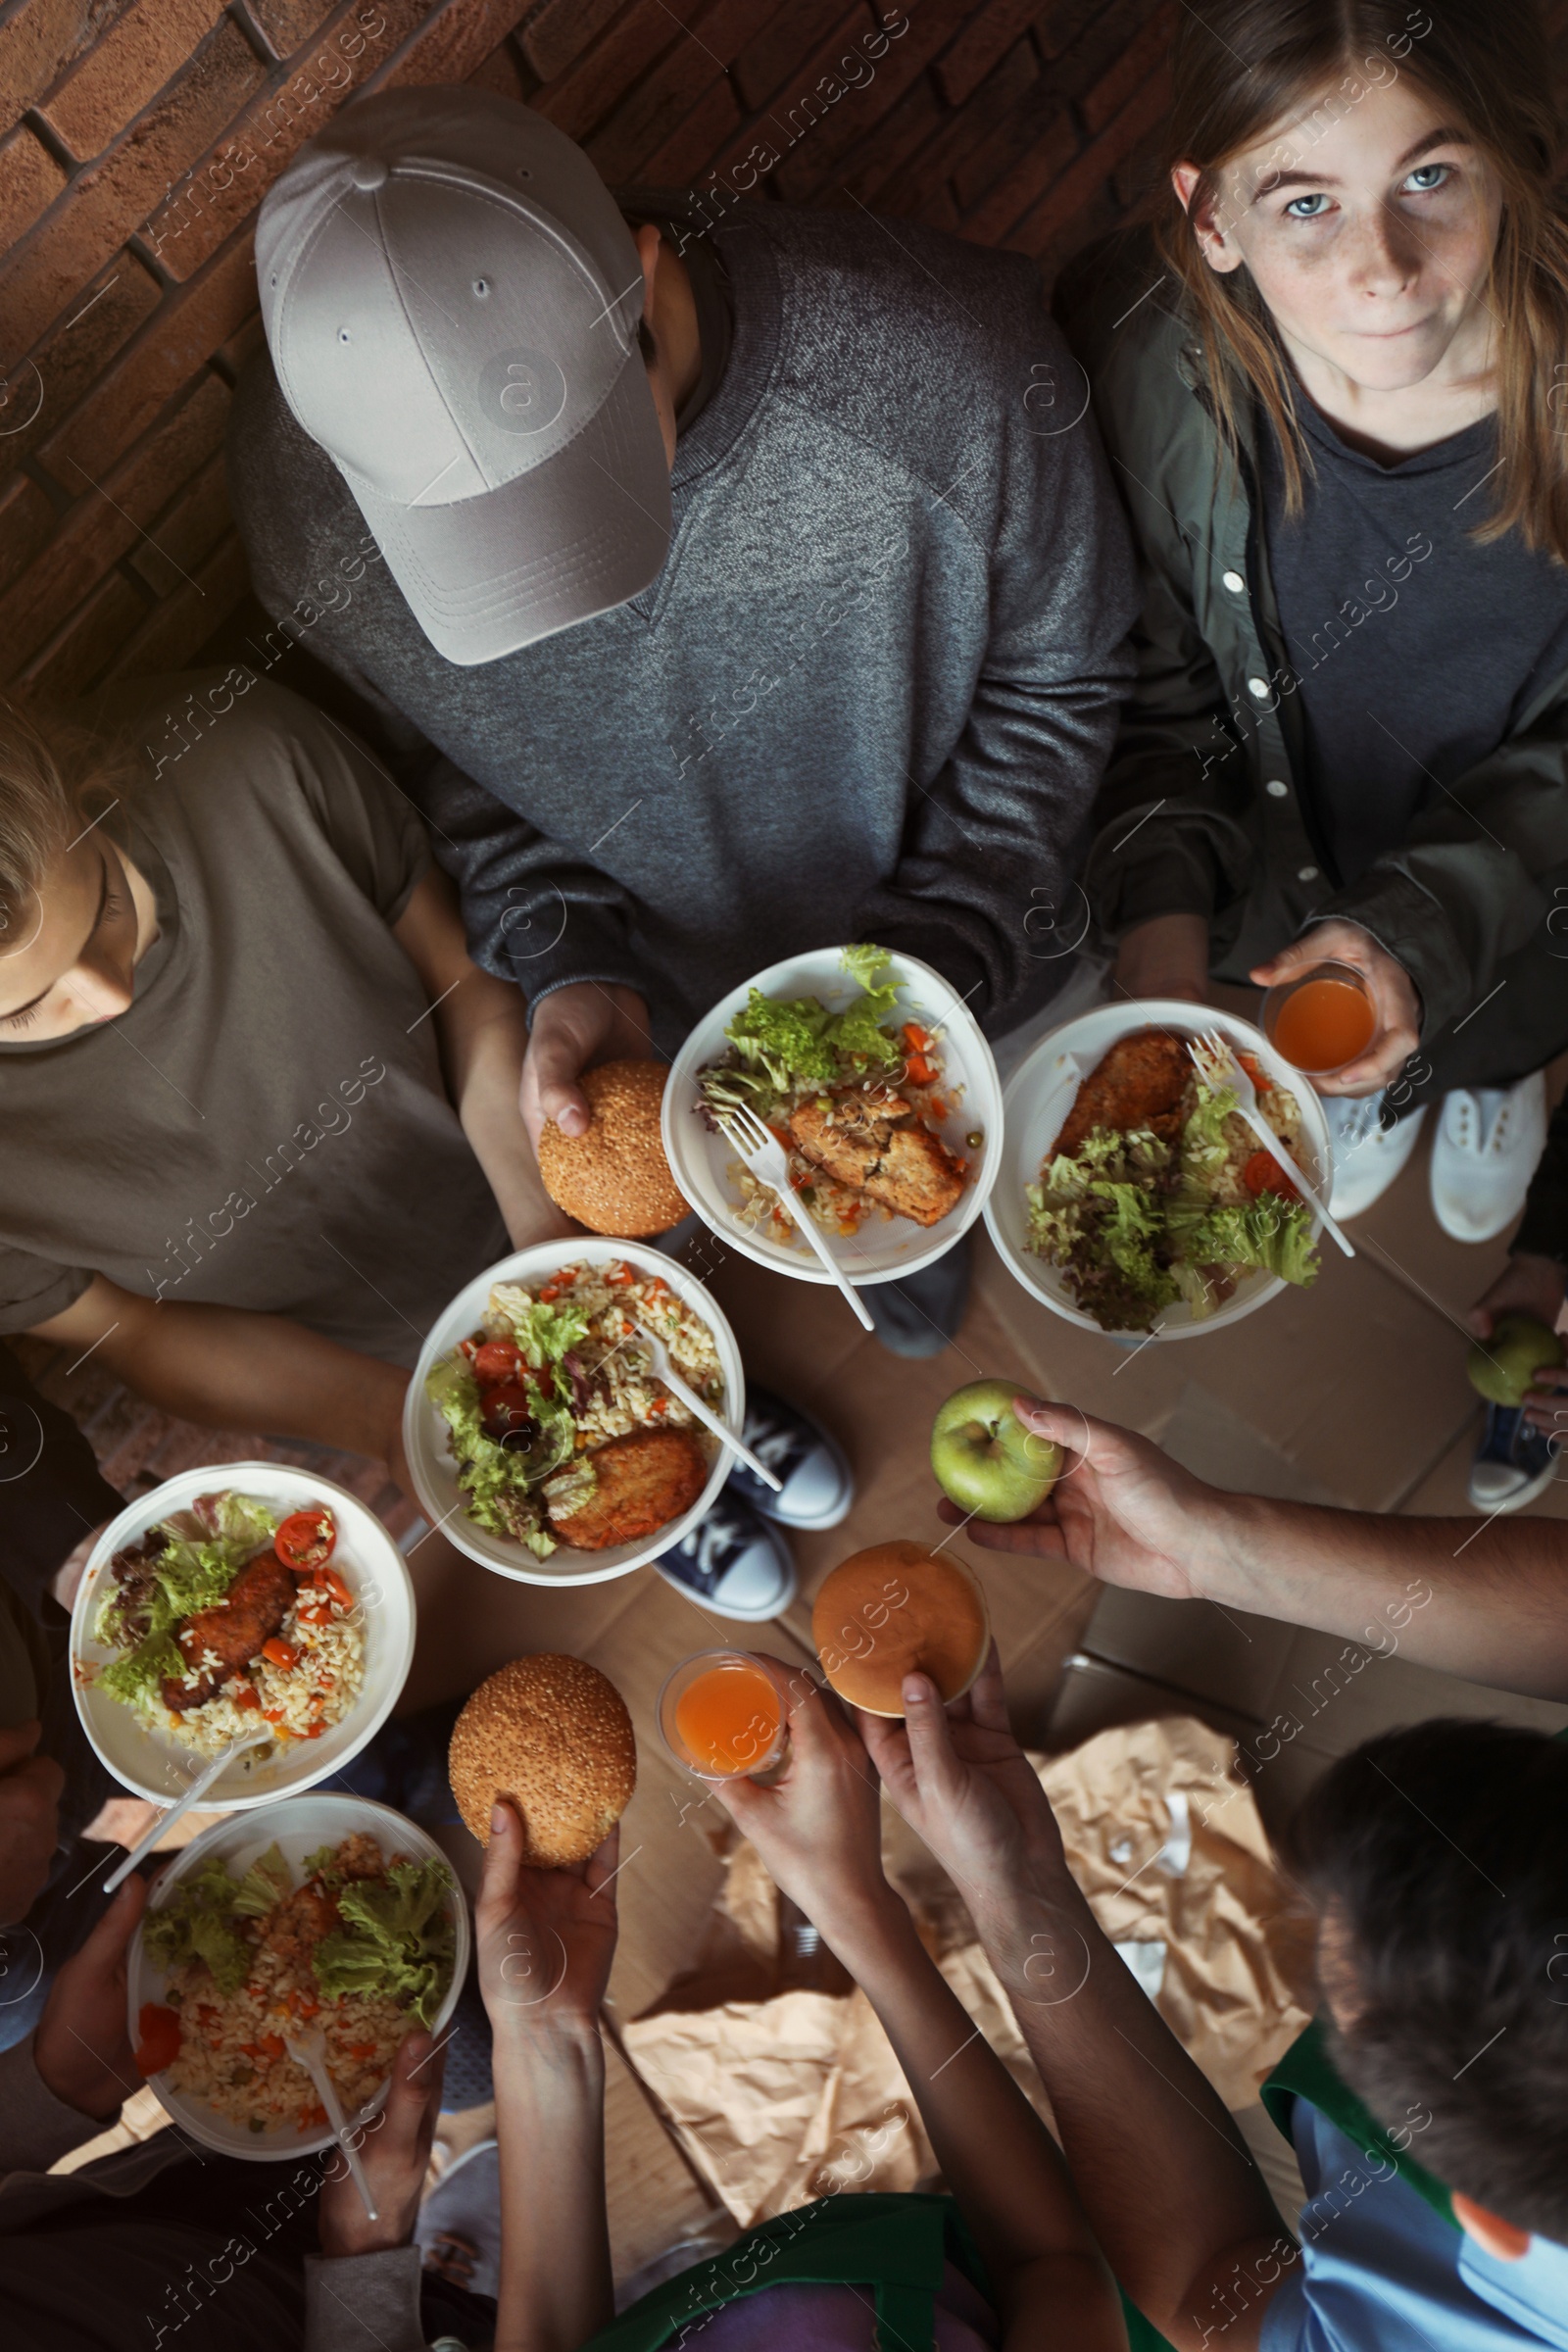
(897, 1606)
(616, 1178)
(552, 1733)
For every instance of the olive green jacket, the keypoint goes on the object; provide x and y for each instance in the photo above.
(1200, 811)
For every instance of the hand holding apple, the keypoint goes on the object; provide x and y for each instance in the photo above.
(986, 1460)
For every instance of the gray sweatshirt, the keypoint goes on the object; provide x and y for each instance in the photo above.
(869, 695)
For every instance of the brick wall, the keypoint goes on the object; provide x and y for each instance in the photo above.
(138, 136)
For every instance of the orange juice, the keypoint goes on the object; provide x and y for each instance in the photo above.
(729, 1718)
(1323, 1024)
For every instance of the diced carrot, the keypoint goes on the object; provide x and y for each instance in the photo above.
(278, 1654)
(273, 2045)
(339, 1590)
(657, 1407)
(159, 2037)
(362, 2050)
(245, 1696)
(914, 1035)
(619, 1276)
(314, 1730)
(549, 1294)
(273, 1714)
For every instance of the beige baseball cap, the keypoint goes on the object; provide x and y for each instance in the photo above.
(450, 297)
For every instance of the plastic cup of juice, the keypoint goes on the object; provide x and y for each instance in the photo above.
(722, 1715)
(1321, 1019)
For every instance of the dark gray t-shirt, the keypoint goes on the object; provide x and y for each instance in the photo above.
(1414, 647)
(267, 1126)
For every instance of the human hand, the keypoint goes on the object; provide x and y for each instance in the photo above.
(29, 1819)
(82, 2048)
(1121, 1510)
(573, 1028)
(66, 1579)
(394, 2148)
(546, 1937)
(817, 1827)
(961, 1782)
(1167, 956)
(1527, 1286)
(1392, 992)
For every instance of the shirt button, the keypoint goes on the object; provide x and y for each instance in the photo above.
(1259, 687)
(1275, 789)
(1306, 873)
(1233, 581)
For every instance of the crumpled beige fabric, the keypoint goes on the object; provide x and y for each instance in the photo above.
(791, 2095)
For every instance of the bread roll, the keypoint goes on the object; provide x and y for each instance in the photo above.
(616, 1178)
(553, 1734)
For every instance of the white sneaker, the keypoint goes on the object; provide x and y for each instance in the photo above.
(1367, 1155)
(1487, 1146)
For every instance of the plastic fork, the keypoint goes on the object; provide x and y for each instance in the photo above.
(665, 1372)
(765, 1155)
(183, 1805)
(306, 2046)
(1214, 1061)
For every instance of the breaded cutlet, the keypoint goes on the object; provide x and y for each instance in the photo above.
(642, 1481)
(1139, 1083)
(875, 1143)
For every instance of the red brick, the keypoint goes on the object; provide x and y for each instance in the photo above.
(1077, 185)
(989, 35)
(111, 307)
(183, 620)
(691, 147)
(504, 73)
(1050, 155)
(774, 128)
(88, 639)
(968, 128)
(128, 67)
(109, 518)
(232, 173)
(29, 181)
(179, 541)
(111, 199)
(39, 39)
(1013, 136)
(1141, 56)
(183, 334)
(769, 61)
(289, 23)
(557, 30)
(855, 114)
(237, 353)
(907, 127)
(608, 67)
(447, 42)
(26, 520)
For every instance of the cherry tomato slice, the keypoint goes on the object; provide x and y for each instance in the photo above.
(1263, 1174)
(305, 1539)
(505, 1408)
(497, 1361)
(159, 2041)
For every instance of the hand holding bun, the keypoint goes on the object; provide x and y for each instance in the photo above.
(552, 1733)
(616, 1178)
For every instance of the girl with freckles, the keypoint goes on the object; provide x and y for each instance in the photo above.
(1332, 372)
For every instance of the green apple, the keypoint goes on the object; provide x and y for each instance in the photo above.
(1505, 1366)
(984, 1458)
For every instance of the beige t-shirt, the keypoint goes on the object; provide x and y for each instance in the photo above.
(266, 1125)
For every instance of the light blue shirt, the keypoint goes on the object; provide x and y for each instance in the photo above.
(1381, 2271)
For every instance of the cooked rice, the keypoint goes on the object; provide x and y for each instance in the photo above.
(231, 2051)
(624, 1393)
(298, 1702)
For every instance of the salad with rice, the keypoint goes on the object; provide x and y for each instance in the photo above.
(553, 1407)
(229, 1616)
(362, 1949)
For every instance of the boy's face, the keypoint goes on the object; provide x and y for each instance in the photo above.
(72, 958)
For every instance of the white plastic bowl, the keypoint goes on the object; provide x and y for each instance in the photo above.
(298, 1826)
(424, 1431)
(154, 1763)
(1039, 1096)
(883, 1251)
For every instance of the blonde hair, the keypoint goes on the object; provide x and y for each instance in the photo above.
(1246, 64)
(53, 774)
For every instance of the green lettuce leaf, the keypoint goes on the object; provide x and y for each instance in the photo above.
(396, 1942)
(243, 1520)
(264, 1884)
(199, 1922)
(496, 1481)
(860, 1032)
(544, 1333)
(784, 1039)
(1265, 1233)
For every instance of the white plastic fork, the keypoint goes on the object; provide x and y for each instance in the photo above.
(664, 1371)
(1214, 1050)
(765, 1156)
(306, 2046)
(181, 1806)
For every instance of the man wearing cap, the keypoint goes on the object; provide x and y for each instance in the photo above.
(746, 588)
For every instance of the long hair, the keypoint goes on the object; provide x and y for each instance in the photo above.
(1242, 66)
(53, 771)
